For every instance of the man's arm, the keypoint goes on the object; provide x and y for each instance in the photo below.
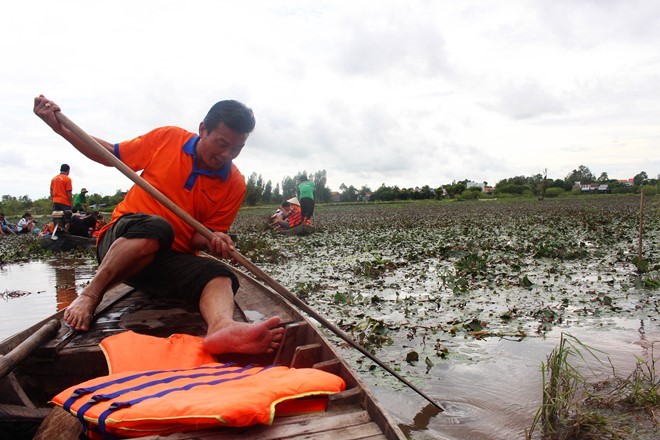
(69, 194)
(45, 109)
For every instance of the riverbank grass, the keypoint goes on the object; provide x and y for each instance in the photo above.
(615, 408)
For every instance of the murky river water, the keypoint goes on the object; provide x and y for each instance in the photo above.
(491, 390)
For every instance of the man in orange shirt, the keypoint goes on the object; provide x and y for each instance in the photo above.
(61, 190)
(148, 246)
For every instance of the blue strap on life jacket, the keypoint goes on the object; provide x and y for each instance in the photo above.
(115, 406)
(80, 392)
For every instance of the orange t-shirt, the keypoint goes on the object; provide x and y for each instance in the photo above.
(167, 157)
(59, 187)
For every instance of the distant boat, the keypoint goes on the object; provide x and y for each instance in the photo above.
(301, 229)
(67, 242)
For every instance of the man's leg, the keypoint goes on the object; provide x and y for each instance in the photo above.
(225, 335)
(125, 258)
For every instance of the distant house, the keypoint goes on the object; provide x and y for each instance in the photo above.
(335, 196)
(488, 189)
(592, 187)
(364, 198)
(627, 182)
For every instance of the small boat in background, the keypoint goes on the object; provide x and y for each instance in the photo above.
(301, 229)
(65, 242)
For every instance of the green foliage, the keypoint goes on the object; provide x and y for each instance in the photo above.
(374, 267)
(472, 265)
(254, 189)
(582, 174)
(649, 190)
(370, 333)
(554, 192)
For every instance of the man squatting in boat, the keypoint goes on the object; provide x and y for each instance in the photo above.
(151, 248)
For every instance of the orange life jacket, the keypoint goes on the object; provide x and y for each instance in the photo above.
(165, 400)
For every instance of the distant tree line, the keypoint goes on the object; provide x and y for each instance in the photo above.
(13, 206)
(262, 192)
(538, 185)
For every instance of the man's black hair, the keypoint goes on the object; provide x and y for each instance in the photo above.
(64, 168)
(234, 114)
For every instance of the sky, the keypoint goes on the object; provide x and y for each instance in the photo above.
(405, 93)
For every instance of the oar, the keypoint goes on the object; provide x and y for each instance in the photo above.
(243, 261)
(11, 359)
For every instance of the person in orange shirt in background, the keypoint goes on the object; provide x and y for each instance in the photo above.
(292, 216)
(100, 223)
(149, 247)
(61, 190)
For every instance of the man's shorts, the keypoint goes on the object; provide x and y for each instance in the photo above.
(306, 207)
(171, 274)
(61, 207)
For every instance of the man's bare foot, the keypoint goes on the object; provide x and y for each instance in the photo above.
(80, 313)
(241, 337)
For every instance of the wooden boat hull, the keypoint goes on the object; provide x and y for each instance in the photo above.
(67, 242)
(70, 358)
(299, 230)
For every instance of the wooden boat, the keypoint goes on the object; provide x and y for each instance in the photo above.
(301, 229)
(69, 358)
(66, 242)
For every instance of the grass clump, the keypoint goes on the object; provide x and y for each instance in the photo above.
(574, 408)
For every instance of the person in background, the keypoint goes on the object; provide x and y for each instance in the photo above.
(100, 222)
(5, 226)
(292, 217)
(25, 224)
(61, 190)
(148, 246)
(46, 230)
(82, 225)
(277, 217)
(80, 201)
(306, 196)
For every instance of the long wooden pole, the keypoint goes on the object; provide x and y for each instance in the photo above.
(243, 261)
(11, 359)
(641, 226)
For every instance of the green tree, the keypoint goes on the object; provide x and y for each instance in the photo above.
(455, 188)
(277, 196)
(362, 193)
(267, 196)
(640, 178)
(582, 174)
(384, 193)
(254, 190)
(347, 193)
(10, 205)
(603, 177)
(322, 193)
(289, 187)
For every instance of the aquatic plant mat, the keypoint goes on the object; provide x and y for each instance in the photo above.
(472, 269)
(432, 286)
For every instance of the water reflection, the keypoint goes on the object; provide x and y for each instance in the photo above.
(491, 389)
(48, 286)
(65, 283)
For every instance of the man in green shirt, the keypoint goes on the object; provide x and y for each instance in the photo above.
(306, 198)
(80, 201)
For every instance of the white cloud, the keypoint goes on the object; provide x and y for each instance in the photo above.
(402, 93)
